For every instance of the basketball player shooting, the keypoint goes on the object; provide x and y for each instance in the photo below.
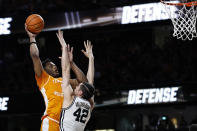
(49, 83)
(76, 108)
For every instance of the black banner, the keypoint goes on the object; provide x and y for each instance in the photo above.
(21, 103)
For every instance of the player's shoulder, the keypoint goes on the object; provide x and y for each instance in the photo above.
(59, 78)
(42, 79)
(82, 100)
(83, 103)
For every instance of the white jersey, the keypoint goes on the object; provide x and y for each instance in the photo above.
(76, 116)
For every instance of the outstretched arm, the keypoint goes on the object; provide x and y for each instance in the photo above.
(65, 63)
(89, 54)
(90, 74)
(34, 53)
(80, 76)
(65, 68)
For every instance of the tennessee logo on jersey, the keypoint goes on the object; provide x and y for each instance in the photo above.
(57, 81)
(58, 93)
(51, 90)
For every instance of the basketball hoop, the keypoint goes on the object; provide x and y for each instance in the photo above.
(183, 19)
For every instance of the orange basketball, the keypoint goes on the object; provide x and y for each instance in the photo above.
(35, 23)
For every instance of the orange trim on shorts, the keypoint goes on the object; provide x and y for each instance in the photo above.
(46, 116)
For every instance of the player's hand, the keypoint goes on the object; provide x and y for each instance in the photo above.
(70, 53)
(88, 49)
(61, 38)
(31, 35)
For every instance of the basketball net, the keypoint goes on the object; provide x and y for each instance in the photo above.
(183, 19)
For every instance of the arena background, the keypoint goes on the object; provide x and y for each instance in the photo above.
(129, 55)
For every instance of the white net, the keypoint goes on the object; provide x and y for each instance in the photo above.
(183, 19)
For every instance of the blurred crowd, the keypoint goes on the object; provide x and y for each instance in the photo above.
(127, 61)
(15, 7)
(121, 62)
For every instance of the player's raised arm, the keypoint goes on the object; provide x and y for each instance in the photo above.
(65, 69)
(89, 54)
(80, 76)
(34, 53)
(90, 74)
(65, 63)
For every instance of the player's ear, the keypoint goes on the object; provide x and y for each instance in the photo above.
(80, 92)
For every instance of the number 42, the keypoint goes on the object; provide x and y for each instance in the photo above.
(81, 115)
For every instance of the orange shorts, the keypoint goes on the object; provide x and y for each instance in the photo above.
(49, 125)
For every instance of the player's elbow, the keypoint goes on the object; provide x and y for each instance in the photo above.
(90, 80)
(34, 56)
(83, 79)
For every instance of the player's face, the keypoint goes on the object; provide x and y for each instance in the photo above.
(77, 90)
(51, 69)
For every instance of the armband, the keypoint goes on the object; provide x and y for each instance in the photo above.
(33, 42)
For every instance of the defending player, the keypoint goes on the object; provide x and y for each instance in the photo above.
(76, 108)
(49, 83)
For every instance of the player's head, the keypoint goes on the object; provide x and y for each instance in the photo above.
(50, 68)
(84, 90)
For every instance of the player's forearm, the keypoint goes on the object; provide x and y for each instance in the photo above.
(34, 52)
(66, 76)
(65, 66)
(90, 73)
(80, 76)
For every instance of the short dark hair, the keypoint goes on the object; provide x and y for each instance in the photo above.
(45, 62)
(87, 89)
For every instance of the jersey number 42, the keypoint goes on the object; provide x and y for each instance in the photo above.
(81, 115)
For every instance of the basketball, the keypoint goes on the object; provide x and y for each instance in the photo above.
(34, 23)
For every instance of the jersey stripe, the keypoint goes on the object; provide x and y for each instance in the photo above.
(43, 91)
(46, 82)
(45, 126)
(53, 119)
(70, 104)
(61, 120)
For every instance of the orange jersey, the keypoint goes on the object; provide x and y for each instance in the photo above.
(51, 90)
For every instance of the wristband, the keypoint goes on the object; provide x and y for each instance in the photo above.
(33, 42)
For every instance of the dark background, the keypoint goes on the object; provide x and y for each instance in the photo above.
(133, 56)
